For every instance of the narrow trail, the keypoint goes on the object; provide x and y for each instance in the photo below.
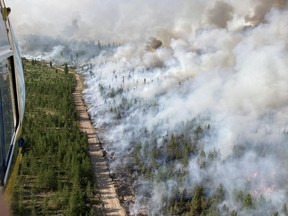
(106, 187)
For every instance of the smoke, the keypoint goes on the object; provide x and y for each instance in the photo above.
(129, 20)
(226, 70)
(60, 51)
(105, 21)
(208, 76)
(220, 14)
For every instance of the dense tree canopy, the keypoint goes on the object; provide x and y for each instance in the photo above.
(55, 176)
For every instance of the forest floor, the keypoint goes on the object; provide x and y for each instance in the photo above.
(105, 184)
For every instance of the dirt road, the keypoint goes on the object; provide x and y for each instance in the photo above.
(106, 187)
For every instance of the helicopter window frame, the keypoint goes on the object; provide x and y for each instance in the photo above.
(4, 41)
(11, 82)
(8, 108)
(2, 140)
(7, 93)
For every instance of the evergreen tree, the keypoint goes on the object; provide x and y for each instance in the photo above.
(247, 201)
(99, 45)
(66, 70)
(196, 203)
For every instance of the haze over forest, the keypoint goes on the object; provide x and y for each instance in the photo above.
(191, 96)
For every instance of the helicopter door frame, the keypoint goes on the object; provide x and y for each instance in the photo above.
(9, 156)
(7, 143)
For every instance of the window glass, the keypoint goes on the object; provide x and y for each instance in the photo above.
(3, 34)
(19, 74)
(2, 140)
(7, 108)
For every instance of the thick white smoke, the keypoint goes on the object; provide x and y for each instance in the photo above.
(215, 71)
(223, 64)
(130, 20)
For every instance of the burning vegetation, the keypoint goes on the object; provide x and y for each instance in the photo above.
(191, 107)
(196, 126)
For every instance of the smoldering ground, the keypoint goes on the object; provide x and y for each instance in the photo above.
(228, 73)
(195, 97)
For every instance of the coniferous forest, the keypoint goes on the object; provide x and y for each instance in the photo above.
(188, 98)
(55, 176)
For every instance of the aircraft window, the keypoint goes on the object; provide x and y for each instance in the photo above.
(2, 141)
(7, 106)
(20, 75)
(3, 34)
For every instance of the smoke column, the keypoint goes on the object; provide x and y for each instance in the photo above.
(217, 68)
